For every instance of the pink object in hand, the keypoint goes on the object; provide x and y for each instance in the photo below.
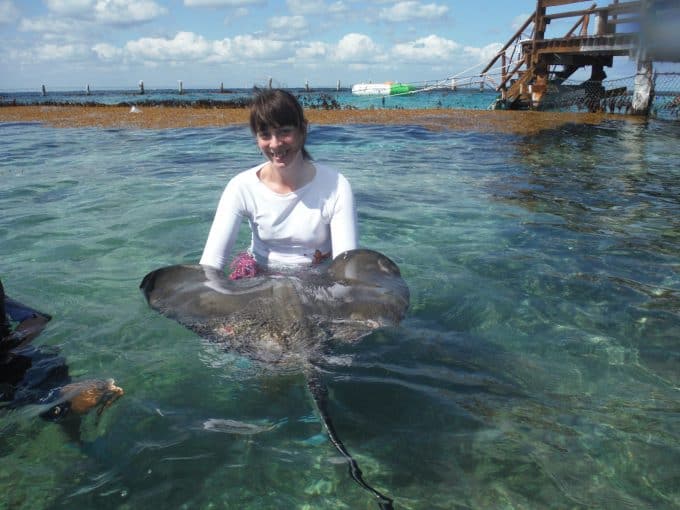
(243, 266)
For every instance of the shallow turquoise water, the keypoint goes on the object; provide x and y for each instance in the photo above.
(538, 365)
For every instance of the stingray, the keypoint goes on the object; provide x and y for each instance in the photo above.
(288, 320)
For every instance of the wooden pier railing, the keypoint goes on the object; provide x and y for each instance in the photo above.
(528, 65)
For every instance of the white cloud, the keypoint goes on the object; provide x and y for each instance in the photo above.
(47, 25)
(338, 8)
(307, 6)
(115, 12)
(188, 47)
(426, 49)
(249, 47)
(245, 48)
(288, 27)
(222, 3)
(70, 7)
(483, 54)
(311, 51)
(222, 51)
(107, 52)
(410, 10)
(127, 11)
(184, 46)
(357, 48)
(53, 53)
(8, 12)
(61, 52)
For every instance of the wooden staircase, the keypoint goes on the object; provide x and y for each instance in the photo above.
(536, 63)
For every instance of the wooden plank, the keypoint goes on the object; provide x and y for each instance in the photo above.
(583, 20)
(510, 74)
(555, 3)
(612, 10)
(632, 4)
(570, 14)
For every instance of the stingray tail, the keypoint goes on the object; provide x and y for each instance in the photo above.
(320, 393)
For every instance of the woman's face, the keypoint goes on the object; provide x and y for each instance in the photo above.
(281, 146)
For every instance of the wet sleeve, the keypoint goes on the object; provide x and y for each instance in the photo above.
(224, 230)
(344, 231)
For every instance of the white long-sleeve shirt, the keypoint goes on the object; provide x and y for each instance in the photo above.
(286, 228)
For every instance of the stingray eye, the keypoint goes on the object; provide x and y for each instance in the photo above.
(53, 413)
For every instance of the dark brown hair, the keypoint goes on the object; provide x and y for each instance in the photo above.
(275, 108)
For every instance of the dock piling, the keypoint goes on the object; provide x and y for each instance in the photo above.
(643, 90)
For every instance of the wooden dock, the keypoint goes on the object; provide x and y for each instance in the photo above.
(643, 30)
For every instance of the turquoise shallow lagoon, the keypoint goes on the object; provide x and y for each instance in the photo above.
(537, 367)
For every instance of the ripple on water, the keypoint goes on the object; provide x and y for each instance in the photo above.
(537, 366)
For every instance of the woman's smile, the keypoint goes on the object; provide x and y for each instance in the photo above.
(281, 145)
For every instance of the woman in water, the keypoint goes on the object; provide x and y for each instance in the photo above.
(300, 212)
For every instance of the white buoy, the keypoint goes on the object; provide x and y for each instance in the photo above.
(134, 109)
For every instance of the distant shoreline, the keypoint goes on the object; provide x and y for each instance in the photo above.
(164, 117)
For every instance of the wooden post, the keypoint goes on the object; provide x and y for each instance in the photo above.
(44, 90)
(602, 22)
(539, 32)
(538, 88)
(180, 87)
(338, 86)
(87, 89)
(270, 82)
(222, 87)
(141, 87)
(643, 91)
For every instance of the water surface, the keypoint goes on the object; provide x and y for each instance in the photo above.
(537, 367)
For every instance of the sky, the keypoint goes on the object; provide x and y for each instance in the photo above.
(70, 44)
